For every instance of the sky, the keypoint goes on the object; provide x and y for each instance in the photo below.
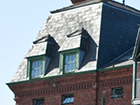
(20, 22)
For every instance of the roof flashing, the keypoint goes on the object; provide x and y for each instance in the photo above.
(76, 33)
(42, 39)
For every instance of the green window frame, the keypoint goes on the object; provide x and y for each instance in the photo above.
(63, 63)
(30, 66)
(117, 93)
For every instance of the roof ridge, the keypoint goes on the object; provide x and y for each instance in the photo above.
(89, 2)
(83, 3)
(77, 32)
(46, 37)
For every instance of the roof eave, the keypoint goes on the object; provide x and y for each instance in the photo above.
(71, 74)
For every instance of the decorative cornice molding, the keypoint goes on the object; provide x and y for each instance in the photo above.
(115, 81)
(120, 72)
(49, 83)
(54, 90)
(74, 87)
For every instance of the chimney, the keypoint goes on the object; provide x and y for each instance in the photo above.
(77, 1)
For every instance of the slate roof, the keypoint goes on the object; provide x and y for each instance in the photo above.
(71, 42)
(111, 29)
(118, 33)
(123, 59)
(74, 42)
(37, 49)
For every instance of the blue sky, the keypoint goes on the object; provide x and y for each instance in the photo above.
(20, 22)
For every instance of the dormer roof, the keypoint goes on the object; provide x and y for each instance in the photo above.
(75, 40)
(40, 47)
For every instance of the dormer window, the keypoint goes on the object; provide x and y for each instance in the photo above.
(72, 51)
(39, 57)
(36, 67)
(69, 60)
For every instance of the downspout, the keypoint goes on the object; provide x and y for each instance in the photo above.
(103, 99)
(97, 82)
(134, 79)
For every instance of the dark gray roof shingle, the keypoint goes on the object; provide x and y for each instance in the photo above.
(118, 33)
(37, 49)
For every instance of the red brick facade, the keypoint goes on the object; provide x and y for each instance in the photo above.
(114, 79)
(88, 88)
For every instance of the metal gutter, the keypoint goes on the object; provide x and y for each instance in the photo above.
(70, 74)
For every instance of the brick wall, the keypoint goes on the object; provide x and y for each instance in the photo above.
(88, 89)
(115, 79)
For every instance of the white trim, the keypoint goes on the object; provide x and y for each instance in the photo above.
(135, 102)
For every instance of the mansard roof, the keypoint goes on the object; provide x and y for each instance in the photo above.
(111, 28)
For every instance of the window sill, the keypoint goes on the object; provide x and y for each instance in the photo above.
(68, 103)
(117, 98)
(71, 72)
(41, 76)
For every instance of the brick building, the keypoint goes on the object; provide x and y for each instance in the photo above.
(81, 56)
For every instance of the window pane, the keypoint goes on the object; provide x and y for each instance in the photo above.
(117, 93)
(72, 99)
(35, 73)
(32, 73)
(39, 63)
(66, 68)
(68, 99)
(69, 63)
(73, 66)
(70, 57)
(33, 65)
(66, 59)
(38, 102)
(36, 68)
(73, 58)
